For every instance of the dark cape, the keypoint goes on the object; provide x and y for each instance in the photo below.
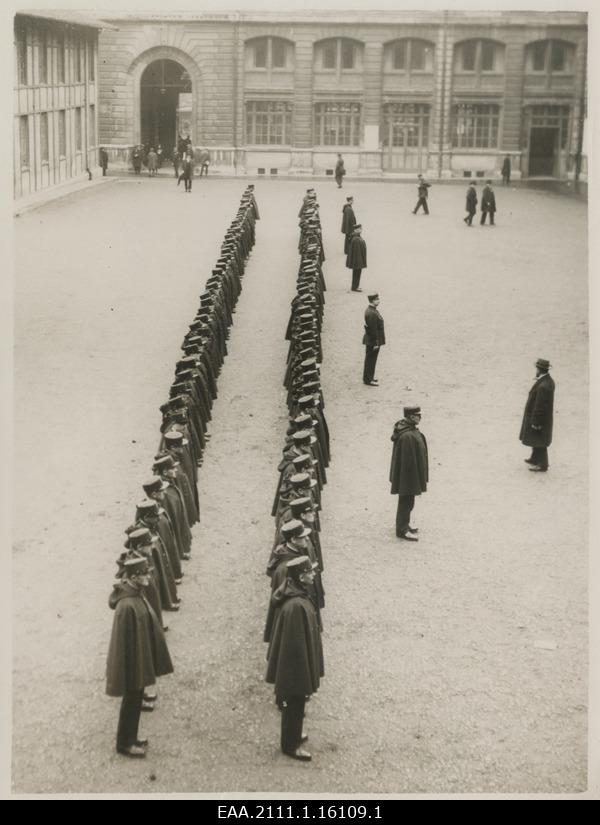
(488, 200)
(471, 203)
(295, 654)
(539, 411)
(138, 651)
(357, 253)
(348, 219)
(409, 471)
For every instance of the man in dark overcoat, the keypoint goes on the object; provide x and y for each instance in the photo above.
(471, 204)
(137, 652)
(536, 429)
(295, 654)
(373, 339)
(348, 222)
(409, 471)
(103, 160)
(357, 257)
(506, 170)
(187, 172)
(340, 171)
(423, 194)
(488, 203)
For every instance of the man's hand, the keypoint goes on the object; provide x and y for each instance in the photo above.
(536, 427)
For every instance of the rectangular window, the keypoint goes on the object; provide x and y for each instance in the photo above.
(77, 61)
(476, 126)
(347, 56)
(92, 60)
(268, 122)
(400, 55)
(487, 56)
(92, 126)
(406, 124)
(62, 133)
(278, 54)
(60, 58)
(539, 57)
(418, 51)
(329, 55)
(44, 148)
(43, 57)
(337, 124)
(558, 61)
(22, 58)
(260, 55)
(78, 129)
(24, 140)
(468, 55)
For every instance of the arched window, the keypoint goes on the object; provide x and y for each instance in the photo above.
(477, 57)
(339, 54)
(269, 53)
(409, 55)
(549, 57)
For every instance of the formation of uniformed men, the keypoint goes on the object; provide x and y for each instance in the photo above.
(293, 623)
(160, 539)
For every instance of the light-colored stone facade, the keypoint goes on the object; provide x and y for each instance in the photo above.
(469, 115)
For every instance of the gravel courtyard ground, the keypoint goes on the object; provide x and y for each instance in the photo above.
(458, 664)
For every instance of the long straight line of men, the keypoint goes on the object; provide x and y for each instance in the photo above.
(159, 540)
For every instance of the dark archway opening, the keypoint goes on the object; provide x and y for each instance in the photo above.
(166, 89)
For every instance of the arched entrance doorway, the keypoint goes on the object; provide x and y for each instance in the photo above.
(166, 104)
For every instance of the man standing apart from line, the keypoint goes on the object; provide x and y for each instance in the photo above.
(536, 429)
(409, 472)
(373, 339)
(488, 203)
(422, 189)
(348, 222)
(356, 259)
(470, 204)
(340, 171)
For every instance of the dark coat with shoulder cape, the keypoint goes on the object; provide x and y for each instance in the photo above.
(409, 471)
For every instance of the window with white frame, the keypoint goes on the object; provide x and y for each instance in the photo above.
(337, 124)
(268, 122)
(475, 125)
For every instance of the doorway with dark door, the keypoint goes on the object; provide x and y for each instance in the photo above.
(543, 141)
(162, 83)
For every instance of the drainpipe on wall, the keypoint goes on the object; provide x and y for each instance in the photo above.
(582, 107)
(443, 96)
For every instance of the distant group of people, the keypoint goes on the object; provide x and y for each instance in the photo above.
(182, 157)
(159, 539)
(294, 624)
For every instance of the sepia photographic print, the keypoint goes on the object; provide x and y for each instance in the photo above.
(297, 476)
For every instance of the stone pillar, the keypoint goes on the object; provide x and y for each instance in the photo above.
(302, 117)
(371, 156)
(512, 108)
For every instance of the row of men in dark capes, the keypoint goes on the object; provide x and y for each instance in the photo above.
(297, 597)
(160, 539)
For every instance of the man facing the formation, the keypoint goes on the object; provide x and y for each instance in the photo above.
(373, 339)
(409, 472)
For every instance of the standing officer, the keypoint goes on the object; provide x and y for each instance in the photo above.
(536, 429)
(471, 204)
(373, 339)
(348, 222)
(409, 471)
(340, 171)
(357, 257)
(295, 654)
(103, 160)
(422, 187)
(506, 170)
(488, 203)
(137, 653)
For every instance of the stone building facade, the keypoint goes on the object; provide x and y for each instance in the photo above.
(55, 100)
(447, 93)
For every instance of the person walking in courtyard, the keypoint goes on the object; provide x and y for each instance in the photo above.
(373, 339)
(295, 654)
(152, 162)
(340, 171)
(204, 160)
(536, 428)
(176, 161)
(136, 159)
(423, 192)
(348, 222)
(356, 259)
(471, 204)
(160, 156)
(137, 652)
(506, 170)
(488, 203)
(409, 471)
(103, 160)
(187, 172)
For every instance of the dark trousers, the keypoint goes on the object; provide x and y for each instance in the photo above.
(188, 184)
(356, 278)
(129, 719)
(469, 218)
(421, 202)
(405, 506)
(539, 456)
(292, 716)
(371, 354)
(484, 215)
(204, 169)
